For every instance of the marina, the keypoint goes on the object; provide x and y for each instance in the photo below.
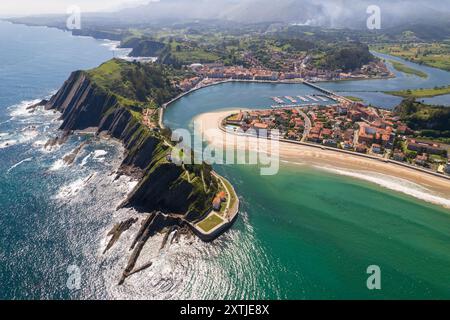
(278, 100)
(312, 98)
(291, 99)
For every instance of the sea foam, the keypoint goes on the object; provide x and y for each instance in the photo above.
(396, 184)
(19, 163)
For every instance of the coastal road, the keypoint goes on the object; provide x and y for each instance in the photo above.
(308, 124)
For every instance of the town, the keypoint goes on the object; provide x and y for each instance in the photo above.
(347, 126)
(209, 73)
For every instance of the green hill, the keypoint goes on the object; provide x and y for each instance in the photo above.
(429, 121)
(136, 84)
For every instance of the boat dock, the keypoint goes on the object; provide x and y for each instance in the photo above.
(303, 98)
(312, 98)
(290, 99)
(322, 98)
(278, 100)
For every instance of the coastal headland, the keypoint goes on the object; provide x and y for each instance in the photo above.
(113, 100)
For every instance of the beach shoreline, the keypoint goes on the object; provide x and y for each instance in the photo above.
(421, 185)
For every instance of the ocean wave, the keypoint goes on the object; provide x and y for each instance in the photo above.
(58, 165)
(396, 184)
(73, 188)
(85, 160)
(8, 143)
(19, 163)
(293, 162)
(20, 110)
(99, 155)
(18, 138)
(22, 113)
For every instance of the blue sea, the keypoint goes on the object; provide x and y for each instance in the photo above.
(48, 212)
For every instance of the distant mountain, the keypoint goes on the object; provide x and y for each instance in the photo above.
(427, 19)
(325, 13)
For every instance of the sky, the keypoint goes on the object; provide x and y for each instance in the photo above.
(331, 13)
(35, 7)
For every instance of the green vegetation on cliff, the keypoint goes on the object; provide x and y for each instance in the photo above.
(113, 98)
(346, 57)
(134, 83)
(429, 121)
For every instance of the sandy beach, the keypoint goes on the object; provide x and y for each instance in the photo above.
(395, 177)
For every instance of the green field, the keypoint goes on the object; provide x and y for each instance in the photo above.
(408, 70)
(421, 93)
(435, 55)
(210, 223)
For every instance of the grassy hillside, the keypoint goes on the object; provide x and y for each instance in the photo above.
(347, 58)
(429, 121)
(135, 84)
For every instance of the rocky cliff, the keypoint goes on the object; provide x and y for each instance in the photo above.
(164, 186)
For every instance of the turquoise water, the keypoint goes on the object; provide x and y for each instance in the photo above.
(315, 232)
(303, 233)
(319, 233)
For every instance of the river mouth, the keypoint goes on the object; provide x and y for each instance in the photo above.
(319, 228)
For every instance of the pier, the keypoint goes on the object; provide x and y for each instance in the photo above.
(278, 100)
(322, 98)
(312, 98)
(291, 99)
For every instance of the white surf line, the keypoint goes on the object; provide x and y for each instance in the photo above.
(393, 183)
(19, 163)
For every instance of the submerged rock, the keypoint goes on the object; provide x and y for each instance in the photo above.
(117, 231)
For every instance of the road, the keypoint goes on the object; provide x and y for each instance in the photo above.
(308, 124)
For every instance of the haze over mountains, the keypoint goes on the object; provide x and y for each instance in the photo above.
(325, 13)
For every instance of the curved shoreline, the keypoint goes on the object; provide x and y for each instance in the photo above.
(431, 188)
(352, 153)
